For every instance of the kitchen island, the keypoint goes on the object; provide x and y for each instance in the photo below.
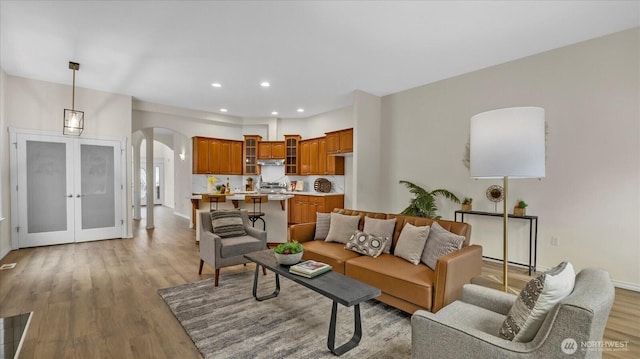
(275, 210)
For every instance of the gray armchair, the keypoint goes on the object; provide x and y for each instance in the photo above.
(469, 328)
(224, 252)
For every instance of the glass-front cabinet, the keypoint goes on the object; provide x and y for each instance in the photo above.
(251, 154)
(291, 154)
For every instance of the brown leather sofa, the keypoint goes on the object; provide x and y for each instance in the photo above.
(404, 285)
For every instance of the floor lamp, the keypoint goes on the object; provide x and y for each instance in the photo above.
(508, 142)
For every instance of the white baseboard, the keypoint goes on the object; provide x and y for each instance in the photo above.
(617, 283)
(4, 253)
(625, 285)
(181, 215)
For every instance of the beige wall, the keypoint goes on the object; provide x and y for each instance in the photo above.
(38, 105)
(5, 230)
(589, 198)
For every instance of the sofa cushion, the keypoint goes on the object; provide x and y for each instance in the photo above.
(332, 254)
(381, 228)
(236, 246)
(342, 227)
(535, 301)
(394, 276)
(439, 243)
(227, 223)
(411, 242)
(323, 221)
(366, 243)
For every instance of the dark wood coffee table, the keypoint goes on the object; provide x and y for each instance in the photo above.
(335, 286)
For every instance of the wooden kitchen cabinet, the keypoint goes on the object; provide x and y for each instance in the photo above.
(304, 157)
(271, 150)
(313, 156)
(291, 154)
(303, 208)
(236, 157)
(225, 157)
(200, 155)
(328, 164)
(214, 156)
(250, 154)
(340, 142)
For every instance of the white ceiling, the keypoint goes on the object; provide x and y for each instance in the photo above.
(314, 53)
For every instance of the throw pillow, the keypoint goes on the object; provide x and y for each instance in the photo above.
(323, 220)
(535, 301)
(411, 242)
(366, 243)
(381, 228)
(227, 223)
(342, 227)
(440, 242)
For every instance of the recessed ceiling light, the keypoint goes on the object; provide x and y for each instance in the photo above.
(216, 84)
(274, 112)
(223, 110)
(301, 110)
(265, 84)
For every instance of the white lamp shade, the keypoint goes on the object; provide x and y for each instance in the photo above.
(508, 142)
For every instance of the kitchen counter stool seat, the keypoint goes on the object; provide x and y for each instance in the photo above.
(257, 214)
(214, 198)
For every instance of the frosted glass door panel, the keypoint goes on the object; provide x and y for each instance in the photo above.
(99, 190)
(97, 193)
(46, 187)
(45, 203)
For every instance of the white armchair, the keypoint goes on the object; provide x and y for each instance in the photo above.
(468, 328)
(224, 252)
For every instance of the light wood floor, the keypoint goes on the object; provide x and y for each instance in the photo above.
(99, 299)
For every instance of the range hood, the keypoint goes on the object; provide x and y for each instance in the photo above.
(271, 162)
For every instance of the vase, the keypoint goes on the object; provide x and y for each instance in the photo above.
(466, 207)
(209, 187)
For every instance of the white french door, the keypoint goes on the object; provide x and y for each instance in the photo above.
(67, 189)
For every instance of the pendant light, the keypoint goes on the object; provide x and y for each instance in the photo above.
(73, 123)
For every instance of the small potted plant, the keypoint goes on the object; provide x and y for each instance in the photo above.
(519, 209)
(249, 185)
(288, 253)
(466, 204)
(218, 188)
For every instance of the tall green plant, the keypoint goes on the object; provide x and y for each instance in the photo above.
(424, 202)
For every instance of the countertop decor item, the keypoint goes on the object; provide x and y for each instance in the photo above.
(508, 142)
(495, 194)
(322, 185)
(466, 204)
(520, 209)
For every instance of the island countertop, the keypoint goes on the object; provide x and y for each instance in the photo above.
(275, 211)
(240, 196)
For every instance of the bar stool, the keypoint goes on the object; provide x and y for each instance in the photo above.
(257, 213)
(214, 198)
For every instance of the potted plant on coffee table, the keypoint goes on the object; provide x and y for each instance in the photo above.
(288, 253)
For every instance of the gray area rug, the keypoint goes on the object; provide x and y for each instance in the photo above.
(227, 322)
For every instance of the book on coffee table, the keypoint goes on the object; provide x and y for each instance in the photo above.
(309, 268)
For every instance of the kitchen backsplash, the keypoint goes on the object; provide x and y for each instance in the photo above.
(269, 174)
(337, 182)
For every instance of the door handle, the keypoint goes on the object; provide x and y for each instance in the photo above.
(69, 195)
(79, 195)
